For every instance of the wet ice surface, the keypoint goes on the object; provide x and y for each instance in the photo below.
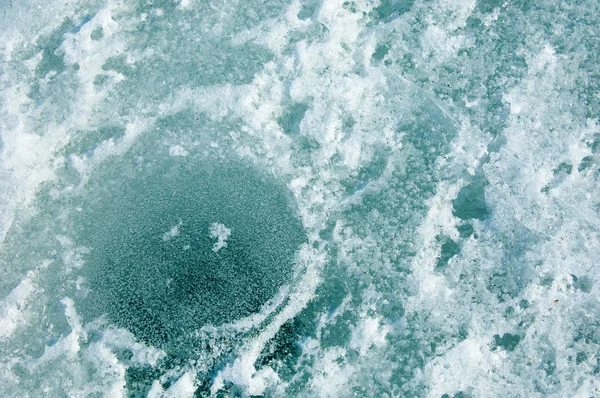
(337, 198)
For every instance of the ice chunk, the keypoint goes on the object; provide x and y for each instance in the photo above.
(221, 233)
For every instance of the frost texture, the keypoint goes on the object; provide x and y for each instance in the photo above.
(221, 233)
(411, 190)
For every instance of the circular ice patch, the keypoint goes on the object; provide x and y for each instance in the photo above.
(177, 245)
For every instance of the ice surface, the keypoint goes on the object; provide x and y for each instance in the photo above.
(378, 198)
(163, 286)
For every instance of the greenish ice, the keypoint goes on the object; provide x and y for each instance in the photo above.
(300, 198)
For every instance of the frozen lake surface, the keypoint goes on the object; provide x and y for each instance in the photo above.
(369, 198)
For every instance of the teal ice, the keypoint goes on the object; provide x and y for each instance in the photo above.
(284, 198)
